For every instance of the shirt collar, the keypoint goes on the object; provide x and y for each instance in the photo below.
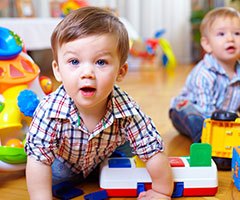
(212, 64)
(62, 106)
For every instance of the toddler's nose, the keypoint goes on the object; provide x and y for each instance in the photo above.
(87, 71)
(230, 37)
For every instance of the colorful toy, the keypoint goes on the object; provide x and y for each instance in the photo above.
(149, 49)
(20, 92)
(46, 84)
(14, 143)
(221, 131)
(236, 166)
(70, 5)
(10, 44)
(194, 175)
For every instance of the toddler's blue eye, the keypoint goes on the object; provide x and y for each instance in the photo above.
(220, 34)
(74, 62)
(101, 62)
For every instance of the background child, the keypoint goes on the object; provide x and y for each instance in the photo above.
(214, 83)
(88, 117)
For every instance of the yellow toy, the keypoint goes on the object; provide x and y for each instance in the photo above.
(20, 92)
(222, 131)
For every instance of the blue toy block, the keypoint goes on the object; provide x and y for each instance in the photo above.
(178, 189)
(65, 191)
(119, 163)
(99, 195)
(140, 188)
(236, 166)
(117, 154)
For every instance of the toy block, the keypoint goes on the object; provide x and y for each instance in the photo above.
(236, 166)
(194, 175)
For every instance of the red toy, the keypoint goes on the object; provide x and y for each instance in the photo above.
(195, 175)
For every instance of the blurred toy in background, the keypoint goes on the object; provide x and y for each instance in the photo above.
(20, 92)
(61, 8)
(70, 5)
(154, 48)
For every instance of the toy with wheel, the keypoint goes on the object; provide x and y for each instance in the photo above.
(20, 92)
(222, 132)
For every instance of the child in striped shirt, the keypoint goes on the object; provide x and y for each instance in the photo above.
(214, 83)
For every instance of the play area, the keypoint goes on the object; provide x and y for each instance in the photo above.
(192, 176)
(68, 118)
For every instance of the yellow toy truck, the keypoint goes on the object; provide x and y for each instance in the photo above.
(222, 132)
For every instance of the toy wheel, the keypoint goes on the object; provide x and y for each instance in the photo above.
(223, 163)
(221, 115)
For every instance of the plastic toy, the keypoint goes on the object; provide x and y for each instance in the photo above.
(46, 84)
(70, 5)
(149, 49)
(99, 195)
(221, 131)
(236, 166)
(168, 57)
(10, 44)
(14, 143)
(194, 175)
(66, 190)
(20, 92)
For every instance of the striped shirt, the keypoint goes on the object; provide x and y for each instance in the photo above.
(209, 88)
(56, 131)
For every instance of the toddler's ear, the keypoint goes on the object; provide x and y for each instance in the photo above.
(206, 44)
(122, 72)
(56, 72)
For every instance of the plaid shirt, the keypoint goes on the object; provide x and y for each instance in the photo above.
(55, 132)
(209, 88)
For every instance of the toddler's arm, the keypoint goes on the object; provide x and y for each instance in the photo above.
(39, 180)
(161, 174)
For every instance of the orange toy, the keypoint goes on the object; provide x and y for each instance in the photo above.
(46, 84)
(14, 143)
(17, 71)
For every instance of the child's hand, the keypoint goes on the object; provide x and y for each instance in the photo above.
(152, 195)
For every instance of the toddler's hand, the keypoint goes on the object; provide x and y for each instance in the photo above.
(152, 195)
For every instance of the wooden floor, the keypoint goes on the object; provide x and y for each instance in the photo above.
(152, 87)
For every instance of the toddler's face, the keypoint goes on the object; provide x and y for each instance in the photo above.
(88, 68)
(224, 39)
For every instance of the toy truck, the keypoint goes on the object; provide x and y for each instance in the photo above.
(194, 175)
(222, 132)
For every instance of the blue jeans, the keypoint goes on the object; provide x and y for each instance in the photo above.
(61, 173)
(188, 121)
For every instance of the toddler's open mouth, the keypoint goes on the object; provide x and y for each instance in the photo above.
(231, 49)
(88, 91)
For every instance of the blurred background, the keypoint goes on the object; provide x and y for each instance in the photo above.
(179, 19)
